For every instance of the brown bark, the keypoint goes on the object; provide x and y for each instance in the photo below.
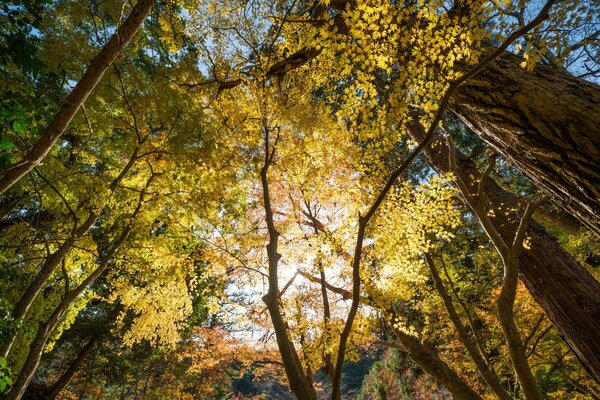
(53, 261)
(299, 382)
(560, 219)
(566, 291)
(546, 123)
(45, 330)
(427, 359)
(68, 375)
(435, 367)
(39, 342)
(478, 358)
(77, 97)
(510, 252)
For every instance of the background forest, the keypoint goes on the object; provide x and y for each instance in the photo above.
(310, 199)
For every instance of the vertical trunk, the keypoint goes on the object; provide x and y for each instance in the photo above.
(299, 382)
(546, 123)
(567, 292)
(77, 97)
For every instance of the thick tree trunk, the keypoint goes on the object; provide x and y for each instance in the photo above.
(77, 97)
(566, 291)
(546, 123)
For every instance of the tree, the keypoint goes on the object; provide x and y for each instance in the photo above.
(270, 153)
(77, 97)
(548, 129)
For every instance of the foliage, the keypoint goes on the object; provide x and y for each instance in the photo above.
(169, 152)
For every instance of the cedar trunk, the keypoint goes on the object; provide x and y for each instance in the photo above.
(544, 122)
(566, 291)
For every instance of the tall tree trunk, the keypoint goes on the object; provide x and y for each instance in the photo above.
(546, 123)
(45, 330)
(299, 382)
(35, 287)
(565, 290)
(469, 342)
(77, 97)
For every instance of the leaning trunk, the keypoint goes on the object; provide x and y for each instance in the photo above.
(68, 375)
(546, 123)
(77, 97)
(435, 367)
(565, 290)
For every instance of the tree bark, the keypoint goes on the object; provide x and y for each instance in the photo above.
(478, 358)
(435, 367)
(53, 261)
(45, 330)
(566, 291)
(546, 123)
(299, 382)
(68, 375)
(77, 97)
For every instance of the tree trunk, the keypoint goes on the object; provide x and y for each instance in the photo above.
(299, 382)
(477, 356)
(77, 97)
(546, 123)
(35, 287)
(53, 261)
(435, 367)
(45, 330)
(68, 375)
(566, 291)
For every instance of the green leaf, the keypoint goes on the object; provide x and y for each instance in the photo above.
(19, 126)
(6, 144)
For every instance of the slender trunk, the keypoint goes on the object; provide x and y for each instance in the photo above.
(326, 320)
(39, 342)
(435, 367)
(68, 375)
(546, 123)
(422, 355)
(516, 349)
(34, 288)
(54, 260)
(45, 330)
(299, 383)
(77, 97)
(566, 291)
(484, 369)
